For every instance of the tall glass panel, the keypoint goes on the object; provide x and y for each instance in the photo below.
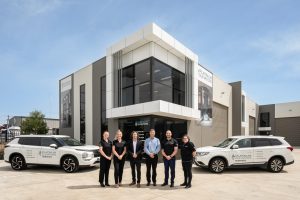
(82, 114)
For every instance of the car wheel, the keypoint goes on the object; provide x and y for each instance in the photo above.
(275, 165)
(18, 162)
(70, 164)
(217, 165)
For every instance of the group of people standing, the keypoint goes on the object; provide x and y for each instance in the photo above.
(118, 149)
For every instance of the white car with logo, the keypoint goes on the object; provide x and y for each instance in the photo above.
(58, 150)
(245, 151)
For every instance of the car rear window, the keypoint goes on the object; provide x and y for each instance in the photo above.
(275, 142)
(33, 141)
(260, 142)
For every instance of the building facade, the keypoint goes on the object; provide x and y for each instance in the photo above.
(151, 80)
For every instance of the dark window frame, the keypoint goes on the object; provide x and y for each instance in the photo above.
(82, 113)
(152, 81)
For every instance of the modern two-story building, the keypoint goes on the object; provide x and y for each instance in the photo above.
(151, 80)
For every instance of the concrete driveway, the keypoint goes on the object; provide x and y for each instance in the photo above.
(52, 183)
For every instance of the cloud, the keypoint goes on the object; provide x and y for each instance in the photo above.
(281, 51)
(36, 7)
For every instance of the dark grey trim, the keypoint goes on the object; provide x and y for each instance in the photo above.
(117, 79)
(188, 82)
(236, 108)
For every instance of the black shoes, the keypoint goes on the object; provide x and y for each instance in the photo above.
(132, 183)
(172, 185)
(154, 184)
(102, 185)
(138, 185)
(164, 184)
(183, 184)
(106, 184)
(188, 186)
(148, 184)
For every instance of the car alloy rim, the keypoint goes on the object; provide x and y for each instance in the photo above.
(276, 165)
(218, 165)
(17, 162)
(69, 164)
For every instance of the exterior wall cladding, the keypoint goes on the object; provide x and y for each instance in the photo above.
(150, 80)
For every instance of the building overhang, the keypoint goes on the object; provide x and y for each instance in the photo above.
(152, 33)
(160, 108)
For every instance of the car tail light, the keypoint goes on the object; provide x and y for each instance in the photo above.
(290, 148)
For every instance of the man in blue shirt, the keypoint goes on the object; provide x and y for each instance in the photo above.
(151, 148)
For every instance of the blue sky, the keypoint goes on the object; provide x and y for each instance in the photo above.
(42, 41)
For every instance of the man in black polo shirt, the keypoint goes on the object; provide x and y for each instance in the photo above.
(169, 149)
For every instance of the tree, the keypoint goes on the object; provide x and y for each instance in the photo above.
(34, 124)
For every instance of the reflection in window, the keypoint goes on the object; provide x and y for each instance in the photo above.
(82, 114)
(151, 80)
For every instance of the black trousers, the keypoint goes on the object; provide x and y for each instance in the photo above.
(151, 163)
(119, 166)
(135, 164)
(104, 170)
(187, 169)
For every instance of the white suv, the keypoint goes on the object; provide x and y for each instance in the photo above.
(245, 151)
(50, 150)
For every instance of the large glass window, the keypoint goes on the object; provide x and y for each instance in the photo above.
(151, 80)
(82, 113)
(265, 119)
(104, 122)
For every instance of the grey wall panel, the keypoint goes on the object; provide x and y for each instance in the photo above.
(99, 70)
(252, 125)
(236, 108)
(204, 136)
(288, 128)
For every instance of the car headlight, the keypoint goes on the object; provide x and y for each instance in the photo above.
(87, 155)
(202, 153)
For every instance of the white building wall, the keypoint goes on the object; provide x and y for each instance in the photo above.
(222, 94)
(83, 76)
(291, 109)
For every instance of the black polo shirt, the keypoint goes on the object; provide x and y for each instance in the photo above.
(169, 145)
(106, 147)
(187, 150)
(119, 146)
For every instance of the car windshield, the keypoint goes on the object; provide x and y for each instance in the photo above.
(66, 141)
(226, 142)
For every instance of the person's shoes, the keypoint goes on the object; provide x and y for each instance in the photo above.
(107, 185)
(148, 184)
(164, 184)
(154, 184)
(172, 185)
(132, 183)
(183, 184)
(102, 185)
(188, 186)
(116, 186)
(138, 185)
(120, 184)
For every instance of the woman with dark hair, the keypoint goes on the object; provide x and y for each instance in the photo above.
(188, 151)
(105, 149)
(135, 149)
(119, 151)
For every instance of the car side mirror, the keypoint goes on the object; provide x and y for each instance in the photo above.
(235, 146)
(54, 146)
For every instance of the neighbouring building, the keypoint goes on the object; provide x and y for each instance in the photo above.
(151, 80)
(52, 124)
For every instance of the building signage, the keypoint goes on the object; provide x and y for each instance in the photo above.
(66, 102)
(205, 95)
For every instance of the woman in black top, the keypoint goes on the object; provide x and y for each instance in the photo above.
(105, 149)
(119, 151)
(135, 149)
(188, 151)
